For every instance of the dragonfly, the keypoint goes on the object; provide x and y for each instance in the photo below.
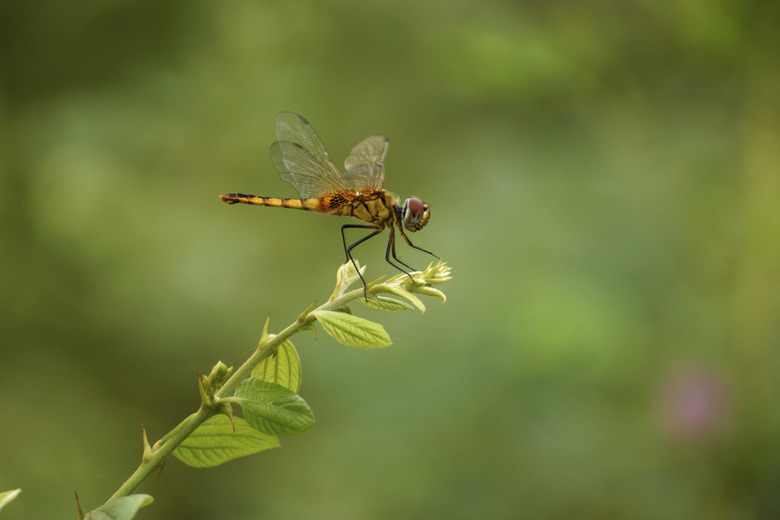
(301, 159)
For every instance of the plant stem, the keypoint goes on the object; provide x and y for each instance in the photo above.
(169, 442)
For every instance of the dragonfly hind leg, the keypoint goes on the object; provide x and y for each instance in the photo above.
(348, 249)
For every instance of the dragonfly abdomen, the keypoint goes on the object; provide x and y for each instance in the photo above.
(242, 198)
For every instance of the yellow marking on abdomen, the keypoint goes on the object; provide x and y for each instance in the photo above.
(276, 202)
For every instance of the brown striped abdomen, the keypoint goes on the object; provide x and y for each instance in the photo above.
(372, 207)
(242, 198)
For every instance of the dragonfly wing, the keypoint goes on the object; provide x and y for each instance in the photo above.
(301, 159)
(306, 172)
(365, 165)
(295, 129)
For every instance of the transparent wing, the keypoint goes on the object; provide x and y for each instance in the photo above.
(291, 127)
(301, 159)
(365, 165)
(303, 170)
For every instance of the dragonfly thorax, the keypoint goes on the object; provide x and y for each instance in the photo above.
(375, 208)
(415, 214)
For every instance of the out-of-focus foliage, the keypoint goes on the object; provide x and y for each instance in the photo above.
(603, 178)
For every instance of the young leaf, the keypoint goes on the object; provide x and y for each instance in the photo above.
(431, 291)
(346, 276)
(386, 304)
(283, 368)
(272, 408)
(123, 508)
(7, 496)
(403, 293)
(353, 331)
(215, 442)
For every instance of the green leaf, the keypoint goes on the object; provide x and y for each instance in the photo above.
(214, 442)
(123, 508)
(403, 293)
(7, 496)
(345, 276)
(283, 368)
(353, 331)
(386, 304)
(431, 291)
(272, 408)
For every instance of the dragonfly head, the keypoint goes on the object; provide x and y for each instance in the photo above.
(415, 214)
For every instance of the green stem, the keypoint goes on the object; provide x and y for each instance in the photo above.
(169, 442)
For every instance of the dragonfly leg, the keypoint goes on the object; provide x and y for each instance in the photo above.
(414, 246)
(391, 248)
(348, 249)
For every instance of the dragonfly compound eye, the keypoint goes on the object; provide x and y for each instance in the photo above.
(416, 214)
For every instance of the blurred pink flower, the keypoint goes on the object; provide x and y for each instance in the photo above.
(694, 401)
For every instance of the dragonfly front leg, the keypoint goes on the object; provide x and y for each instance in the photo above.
(414, 246)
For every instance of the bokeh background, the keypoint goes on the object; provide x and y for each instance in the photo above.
(604, 180)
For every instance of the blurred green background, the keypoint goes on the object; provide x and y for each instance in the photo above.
(603, 179)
